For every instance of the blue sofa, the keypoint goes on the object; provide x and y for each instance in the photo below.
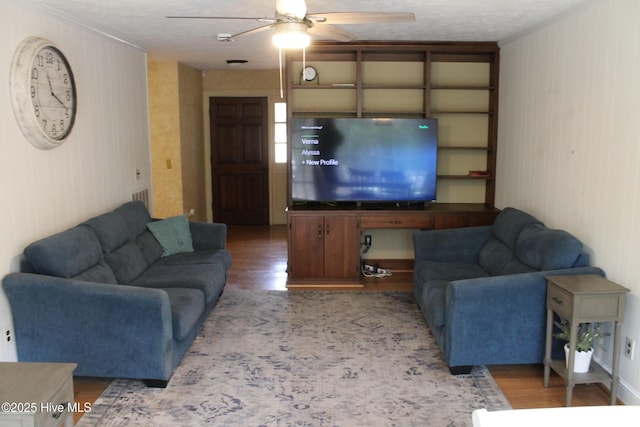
(482, 290)
(115, 297)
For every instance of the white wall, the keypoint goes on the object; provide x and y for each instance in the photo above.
(43, 192)
(569, 142)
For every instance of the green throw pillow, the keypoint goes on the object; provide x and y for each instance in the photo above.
(173, 234)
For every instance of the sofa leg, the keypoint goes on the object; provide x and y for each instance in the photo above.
(156, 383)
(460, 370)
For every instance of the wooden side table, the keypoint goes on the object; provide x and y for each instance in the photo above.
(582, 299)
(36, 394)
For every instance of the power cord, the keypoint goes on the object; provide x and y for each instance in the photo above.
(374, 271)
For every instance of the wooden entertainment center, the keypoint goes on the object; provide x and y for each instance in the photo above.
(454, 82)
(324, 245)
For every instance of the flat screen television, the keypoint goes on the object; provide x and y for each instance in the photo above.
(378, 160)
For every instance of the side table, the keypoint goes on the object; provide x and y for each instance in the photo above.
(582, 299)
(36, 394)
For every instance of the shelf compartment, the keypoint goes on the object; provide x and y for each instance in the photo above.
(460, 162)
(460, 189)
(310, 100)
(462, 129)
(456, 74)
(393, 100)
(460, 100)
(393, 73)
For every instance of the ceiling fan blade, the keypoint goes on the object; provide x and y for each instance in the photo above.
(224, 17)
(361, 17)
(252, 31)
(331, 32)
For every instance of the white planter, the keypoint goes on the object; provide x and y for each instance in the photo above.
(582, 360)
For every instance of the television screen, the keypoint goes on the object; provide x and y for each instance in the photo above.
(363, 160)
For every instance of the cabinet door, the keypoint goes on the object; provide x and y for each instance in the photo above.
(306, 247)
(341, 256)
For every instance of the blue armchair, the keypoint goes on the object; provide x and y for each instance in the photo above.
(482, 290)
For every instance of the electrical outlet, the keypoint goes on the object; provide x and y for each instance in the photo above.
(8, 335)
(629, 347)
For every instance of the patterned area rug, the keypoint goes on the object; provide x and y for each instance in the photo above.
(274, 358)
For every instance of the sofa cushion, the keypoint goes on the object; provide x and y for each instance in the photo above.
(437, 270)
(149, 246)
(127, 262)
(494, 256)
(111, 230)
(209, 278)
(136, 216)
(433, 298)
(546, 249)
(173, 234)
(509, 223)
(212, 256)
(187, 305)
(65, 254)
(498, 259)
(99, 273)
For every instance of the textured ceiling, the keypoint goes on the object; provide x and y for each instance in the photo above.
(143, 23)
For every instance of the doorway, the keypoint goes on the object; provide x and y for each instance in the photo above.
(239, 160)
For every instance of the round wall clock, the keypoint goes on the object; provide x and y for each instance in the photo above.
(43, 92)
(309, 73)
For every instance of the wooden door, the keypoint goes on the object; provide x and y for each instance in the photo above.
(239, 160)
(341, 257)
(306, 247)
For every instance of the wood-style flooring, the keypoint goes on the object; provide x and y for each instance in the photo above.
(260, 261)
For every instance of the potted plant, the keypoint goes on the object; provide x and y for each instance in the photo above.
(588, 335)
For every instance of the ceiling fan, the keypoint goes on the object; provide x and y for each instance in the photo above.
(294, 26)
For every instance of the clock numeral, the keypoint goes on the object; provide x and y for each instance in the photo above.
(36, 110)
(33, 92)
(65, 78)
(34, 74)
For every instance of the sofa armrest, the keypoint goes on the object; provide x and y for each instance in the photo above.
(208, 235)
(450, 245)
(499, 319)
(108, 330)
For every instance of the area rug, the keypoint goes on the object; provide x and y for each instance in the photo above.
(323, 358)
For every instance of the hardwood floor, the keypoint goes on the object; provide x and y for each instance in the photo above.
(260, 261)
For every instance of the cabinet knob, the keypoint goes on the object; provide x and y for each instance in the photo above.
(319, 231)
(328, 229)
(557, 300)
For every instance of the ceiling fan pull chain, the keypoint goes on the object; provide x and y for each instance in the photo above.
(280, 63)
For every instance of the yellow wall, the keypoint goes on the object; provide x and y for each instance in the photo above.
(175, 116)
(164, 120)
(191, 142)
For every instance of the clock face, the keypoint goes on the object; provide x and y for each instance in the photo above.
(310, 73)
(53, 97)
(43, 93)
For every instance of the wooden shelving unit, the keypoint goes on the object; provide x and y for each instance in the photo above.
(455, 83)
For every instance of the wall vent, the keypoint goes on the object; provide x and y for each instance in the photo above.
(141, 196)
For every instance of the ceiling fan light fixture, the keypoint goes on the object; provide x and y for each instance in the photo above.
(291, 35)
(297, 8)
